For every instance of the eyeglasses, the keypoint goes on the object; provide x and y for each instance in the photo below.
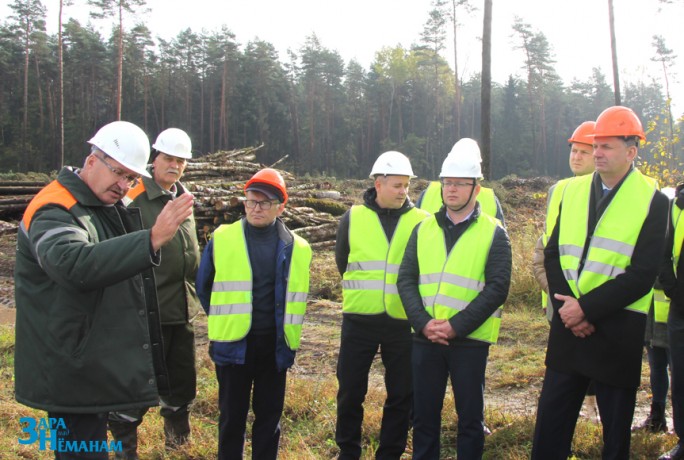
(265, 205)
(131, 180)
(449, 184)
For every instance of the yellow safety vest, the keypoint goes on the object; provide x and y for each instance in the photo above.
(432, 199)
(661, 306)
(369, 284)
(449, 282)
(552, 204)
(678, 236)
(616, 233)
(230, 311)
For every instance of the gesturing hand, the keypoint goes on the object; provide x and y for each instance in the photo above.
(171, 217)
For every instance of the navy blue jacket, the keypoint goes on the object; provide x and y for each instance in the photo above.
(226, 353)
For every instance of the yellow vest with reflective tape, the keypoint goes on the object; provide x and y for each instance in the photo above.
(230, 311)
(678, 236)
(552, 204)
(448, 283)
(616, 233)
(369, 284)
(432, 199)
(661, 306)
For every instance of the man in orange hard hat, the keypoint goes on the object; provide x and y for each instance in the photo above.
(601, 261)
(253, 282)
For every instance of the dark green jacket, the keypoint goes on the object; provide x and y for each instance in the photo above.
(175, 276)
(88, 338)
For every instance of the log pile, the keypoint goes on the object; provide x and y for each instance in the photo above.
(15, 197)
(217, 181)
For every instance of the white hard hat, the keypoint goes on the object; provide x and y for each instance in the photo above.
(466, 146)
(174, 142)
(392, 163)
(464, 160)
(126, 143)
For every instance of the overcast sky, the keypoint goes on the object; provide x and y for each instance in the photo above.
(577, 30)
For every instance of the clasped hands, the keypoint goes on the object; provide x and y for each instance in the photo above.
(573, 317)
(439, 331)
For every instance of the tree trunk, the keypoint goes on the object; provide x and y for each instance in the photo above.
(613, 48)
(61, 86)
(486, 94)
(457, 81)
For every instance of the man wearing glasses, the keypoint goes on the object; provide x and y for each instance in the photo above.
(371, 239)
(453, 280)
(176, 295)
(253, 282)
(88, 338)
(431, 198)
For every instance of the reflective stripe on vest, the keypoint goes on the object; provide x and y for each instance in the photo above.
(661, 306)
(616, 233)
(369, 284)
(432, 199)
(230, 310)
(449, 283)
(552, 204)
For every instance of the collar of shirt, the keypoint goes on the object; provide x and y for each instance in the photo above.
(462, 220)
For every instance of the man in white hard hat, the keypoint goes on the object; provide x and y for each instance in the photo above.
(370, 242)
(88, 338)
(176, 293)
(431, 198)
(453, 281)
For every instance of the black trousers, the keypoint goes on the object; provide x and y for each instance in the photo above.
(433, 365)
(675, 332)
(559, 406)
(260, 379)
(82, 427)
(359, 344)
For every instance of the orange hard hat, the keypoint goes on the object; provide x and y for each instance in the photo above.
(269, 182)
(619, 121)
(584, 134)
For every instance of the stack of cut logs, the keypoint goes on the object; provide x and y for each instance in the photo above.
(14, 198)
(217, 181)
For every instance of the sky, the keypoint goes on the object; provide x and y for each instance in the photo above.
(577, 31)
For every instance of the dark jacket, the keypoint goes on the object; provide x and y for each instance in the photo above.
(497, 276)
(613, 353)
(175, 276)
(226, 353)
(88, 337)
(668, 278)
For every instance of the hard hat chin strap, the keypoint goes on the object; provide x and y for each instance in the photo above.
(470, 197)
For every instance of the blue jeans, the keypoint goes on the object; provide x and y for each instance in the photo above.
(433, 364)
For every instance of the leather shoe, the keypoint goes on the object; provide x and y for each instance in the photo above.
(677, 453)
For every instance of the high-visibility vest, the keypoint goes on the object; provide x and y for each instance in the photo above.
(616, 233)
(678, 236)
(432, 199)
(552, 204)
(449, 282)
(230, 311)
(661, 306)
(369, 284)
